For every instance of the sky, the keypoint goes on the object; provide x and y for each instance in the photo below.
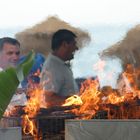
(76, 12)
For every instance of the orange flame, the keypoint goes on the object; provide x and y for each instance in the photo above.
(29, 126)
(89, 99)
(114, 99)
(73, 100)
(31, 110)
(93, 98)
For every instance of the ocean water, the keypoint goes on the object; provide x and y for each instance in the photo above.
(86, 61)
(10, 32)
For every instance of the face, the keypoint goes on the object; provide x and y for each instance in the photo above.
(71, 48)
(9, 55)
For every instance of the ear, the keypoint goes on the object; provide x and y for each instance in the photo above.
(64, 43)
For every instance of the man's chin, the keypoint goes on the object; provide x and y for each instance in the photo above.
(13, 64)
(71, 57)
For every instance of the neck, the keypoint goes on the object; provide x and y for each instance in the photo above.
(60, 55)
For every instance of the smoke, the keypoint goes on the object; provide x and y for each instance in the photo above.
(87, 63)
(86, 60)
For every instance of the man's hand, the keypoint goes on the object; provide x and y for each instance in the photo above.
(54, 100)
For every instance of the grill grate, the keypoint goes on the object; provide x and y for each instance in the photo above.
(51, 127)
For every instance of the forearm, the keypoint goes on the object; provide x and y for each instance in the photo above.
(52, 99)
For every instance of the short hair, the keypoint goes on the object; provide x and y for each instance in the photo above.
(8, 40)
(60, 36)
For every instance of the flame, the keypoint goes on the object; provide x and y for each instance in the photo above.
(30, 127)
(37, 73)
(92, 98)
(89, 99)
(119, 103)
(31, 110)
(114, 99)
(10, 111)
(73, 100)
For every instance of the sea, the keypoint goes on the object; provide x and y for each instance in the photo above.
(86, 62)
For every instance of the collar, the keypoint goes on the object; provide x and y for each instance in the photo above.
(56, 58)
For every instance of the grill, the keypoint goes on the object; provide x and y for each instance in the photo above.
(53, 125)
(50, 123)
(50, 127)
(127, 110)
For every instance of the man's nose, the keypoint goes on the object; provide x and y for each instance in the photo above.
(15, 56)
